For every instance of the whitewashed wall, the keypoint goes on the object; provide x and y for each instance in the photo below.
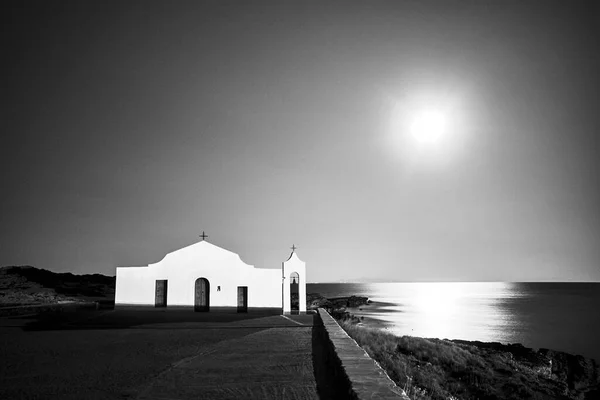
(136, 285)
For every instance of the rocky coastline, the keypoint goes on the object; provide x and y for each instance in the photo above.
(337, 307)
(529, 373)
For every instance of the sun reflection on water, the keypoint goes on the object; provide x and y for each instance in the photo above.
(449, 310)
(560, 316)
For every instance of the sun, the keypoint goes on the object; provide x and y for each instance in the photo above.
(428, 127)
(428, 132)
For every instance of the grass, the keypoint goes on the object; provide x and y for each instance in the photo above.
(440, 369)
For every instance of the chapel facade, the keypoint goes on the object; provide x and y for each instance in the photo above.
(208, 278)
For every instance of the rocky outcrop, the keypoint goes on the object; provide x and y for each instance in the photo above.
(28, 285)
(316, 300)
(336, 306)
(558, 373)
(580, 374)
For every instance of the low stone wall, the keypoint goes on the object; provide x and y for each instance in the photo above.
(357, 373)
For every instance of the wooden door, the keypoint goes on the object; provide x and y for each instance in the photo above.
(202, 295)
(242, 304)
(160, 299)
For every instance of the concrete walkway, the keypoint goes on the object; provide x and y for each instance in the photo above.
(274, 363)
(162, 354)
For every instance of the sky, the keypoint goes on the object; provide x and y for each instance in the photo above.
(128, 128)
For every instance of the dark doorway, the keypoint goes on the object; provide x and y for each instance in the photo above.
(242, 304)
(160, 298)
(294, 292)
(202, 295)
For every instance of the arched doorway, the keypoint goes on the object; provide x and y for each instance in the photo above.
(202, 295)
(294, 292)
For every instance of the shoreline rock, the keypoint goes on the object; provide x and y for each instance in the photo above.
(336, 306)
(559, 375)
(316, 300)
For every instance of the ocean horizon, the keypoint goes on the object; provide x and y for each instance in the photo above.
(563, 316)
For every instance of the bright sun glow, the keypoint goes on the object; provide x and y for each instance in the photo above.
(427, 132)
(428, 127)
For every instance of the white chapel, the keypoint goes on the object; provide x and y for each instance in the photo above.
(210, 278)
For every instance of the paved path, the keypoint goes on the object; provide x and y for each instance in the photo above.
(271, 364)
(159, 355)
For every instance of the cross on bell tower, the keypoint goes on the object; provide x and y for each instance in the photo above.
(293, 248)
(203, 236)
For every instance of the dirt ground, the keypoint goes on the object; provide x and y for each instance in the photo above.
(114, 354)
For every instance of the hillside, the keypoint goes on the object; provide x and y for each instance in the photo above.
(26, 285)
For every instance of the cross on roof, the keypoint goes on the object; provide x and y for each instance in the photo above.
(293, 247)
(203, 236)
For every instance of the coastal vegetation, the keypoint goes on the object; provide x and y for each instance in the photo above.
(448, 370)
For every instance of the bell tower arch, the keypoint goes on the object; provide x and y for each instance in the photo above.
(293, 269)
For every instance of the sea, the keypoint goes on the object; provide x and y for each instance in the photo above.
(558, 316)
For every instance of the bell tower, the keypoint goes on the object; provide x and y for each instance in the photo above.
(294, 269)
